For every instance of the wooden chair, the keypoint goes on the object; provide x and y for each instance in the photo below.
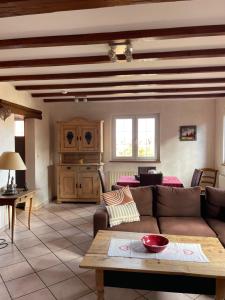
(151, 179)
(208, 178)
(144, 170)
(196, 177)
(103, 181)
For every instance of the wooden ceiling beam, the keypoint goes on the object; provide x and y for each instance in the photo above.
(119, 83)
(133, 91)
(109, 37)
(22, 110)
(29, 7)
(179, 96)
(102, 74)
(48, 62)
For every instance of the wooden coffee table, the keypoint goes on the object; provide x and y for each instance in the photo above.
(209, 273)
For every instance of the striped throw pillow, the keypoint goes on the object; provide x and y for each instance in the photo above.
(118, 197)
(123, 213)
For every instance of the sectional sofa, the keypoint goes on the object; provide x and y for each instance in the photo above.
(169, 210)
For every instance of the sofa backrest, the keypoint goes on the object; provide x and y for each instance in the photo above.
(215, 203)
(178, 202)
(143, 197)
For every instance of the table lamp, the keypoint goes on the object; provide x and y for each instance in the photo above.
(11, 161)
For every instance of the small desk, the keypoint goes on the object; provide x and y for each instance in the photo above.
(132, 182)
(13, 200)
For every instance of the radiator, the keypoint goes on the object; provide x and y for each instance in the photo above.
(114, 175)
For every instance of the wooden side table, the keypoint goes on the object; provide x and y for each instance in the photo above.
(12, 201)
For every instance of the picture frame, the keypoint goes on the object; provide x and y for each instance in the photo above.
(188, 133)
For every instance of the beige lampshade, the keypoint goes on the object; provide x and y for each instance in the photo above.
(11, 161)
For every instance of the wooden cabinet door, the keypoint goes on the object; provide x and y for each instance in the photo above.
(67, 183)
(89, 138)
(88, 184)
(69, 139)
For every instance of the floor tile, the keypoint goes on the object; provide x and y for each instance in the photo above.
(68, 253)
(4, 293)
(27, 243)
(44, 262)
(166, 296)
(69, 231)
(23, 235)
(205, 297)
(77, 221)
(88, 278)
(85, 246)
(118, 293)
(35, 251)
(8, 249)
(70, 289)
(51, 236)
(11, 258)
(79, 237)
(24, 285)
(42, 230)
(58, 244)
(91, 296)
(74, 265)
(44, 294)
(61, 225)
(55, 274)
(15, 271)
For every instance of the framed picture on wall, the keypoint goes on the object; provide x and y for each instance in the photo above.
(188, 133)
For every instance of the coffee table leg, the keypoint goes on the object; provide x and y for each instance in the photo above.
(220, 289)
(100, 284)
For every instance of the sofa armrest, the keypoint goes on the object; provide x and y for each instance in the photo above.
(101, 219)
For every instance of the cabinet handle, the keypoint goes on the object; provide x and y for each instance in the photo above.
(76, 185)
(80, 185)
(80, 138)
(68, 168)
(77, 138)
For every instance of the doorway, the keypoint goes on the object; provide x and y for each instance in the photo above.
(20, 148)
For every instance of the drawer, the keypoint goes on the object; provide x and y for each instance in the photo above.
(88, 168)
(67, 168)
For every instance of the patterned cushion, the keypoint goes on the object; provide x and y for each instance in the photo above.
(118, 197)
(123, 213)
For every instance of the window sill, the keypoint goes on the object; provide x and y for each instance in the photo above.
(136, 161)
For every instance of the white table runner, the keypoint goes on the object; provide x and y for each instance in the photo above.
(174, 251)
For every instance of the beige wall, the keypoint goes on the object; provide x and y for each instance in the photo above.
(220, 136)
(37, 145)
(177, 158)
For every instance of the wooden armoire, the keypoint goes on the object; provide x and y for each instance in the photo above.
(80, 157)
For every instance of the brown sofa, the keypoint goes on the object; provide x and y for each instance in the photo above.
(169, 210)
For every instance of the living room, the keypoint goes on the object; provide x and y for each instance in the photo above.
(202, 106)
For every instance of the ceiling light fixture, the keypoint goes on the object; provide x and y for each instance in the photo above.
(123, 48)
(5, 112)
(64, 92)
(76, 100)
(128, 53)
(85, 100)
(112, 53)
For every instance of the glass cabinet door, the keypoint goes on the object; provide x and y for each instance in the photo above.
(69, 139)
(89, 140)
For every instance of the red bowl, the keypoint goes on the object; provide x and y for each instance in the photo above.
(155, 243)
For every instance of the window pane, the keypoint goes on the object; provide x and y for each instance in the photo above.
(146, 137)
(124, 137)
(19, 128)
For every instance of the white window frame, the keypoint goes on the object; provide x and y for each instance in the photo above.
(135, 157)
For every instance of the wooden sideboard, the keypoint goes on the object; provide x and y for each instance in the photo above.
(80, 157)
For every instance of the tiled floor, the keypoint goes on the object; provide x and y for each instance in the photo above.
(44, 262)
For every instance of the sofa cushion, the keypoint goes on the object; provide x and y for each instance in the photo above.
(146, 224)
(143, 197)
(193, 226)
(219, 227)
(215, 203)
(178, 202)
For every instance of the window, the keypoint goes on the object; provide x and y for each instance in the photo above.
(136, 138)
(19, 127)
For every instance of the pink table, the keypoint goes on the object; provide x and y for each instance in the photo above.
(132, 182)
